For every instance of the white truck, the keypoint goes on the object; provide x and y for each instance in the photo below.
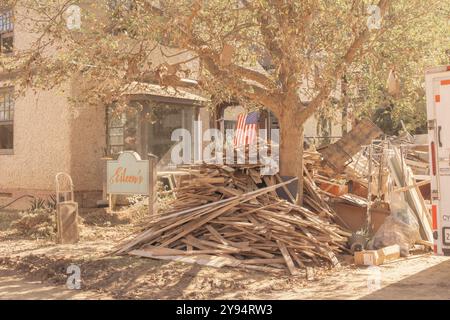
(438, 113)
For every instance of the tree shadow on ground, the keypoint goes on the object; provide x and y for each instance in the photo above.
(432, 283)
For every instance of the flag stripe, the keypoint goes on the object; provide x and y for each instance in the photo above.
(246, 129)
(239, 129)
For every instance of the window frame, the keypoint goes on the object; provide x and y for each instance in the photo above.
(142, 127)
(110, 125)
(7, 33)
(8, 92)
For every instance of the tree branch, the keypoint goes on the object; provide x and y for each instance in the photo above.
(348, 58)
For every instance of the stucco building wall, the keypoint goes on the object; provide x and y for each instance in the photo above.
(51, 135)
(41, 132)
(87, 144)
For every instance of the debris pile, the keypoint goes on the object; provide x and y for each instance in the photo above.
(233, 216)
(367, 179)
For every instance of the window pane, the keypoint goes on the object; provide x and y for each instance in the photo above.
(6, 105)
(6, 21)
(116, 140)
(116, 120)
(166, 119)
(6, 114)
(116, 123)
(116, 131)
(7, 44)
(6, 136)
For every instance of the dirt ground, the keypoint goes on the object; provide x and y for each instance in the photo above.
(37, 269)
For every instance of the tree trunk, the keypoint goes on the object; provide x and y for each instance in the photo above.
(291, 152)
(299, 199)
(345, 104)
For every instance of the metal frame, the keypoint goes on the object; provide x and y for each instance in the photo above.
(66, 192)
(8, 92)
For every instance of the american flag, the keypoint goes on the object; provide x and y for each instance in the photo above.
(246, 129)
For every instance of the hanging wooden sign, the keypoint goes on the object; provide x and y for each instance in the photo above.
(127, 175)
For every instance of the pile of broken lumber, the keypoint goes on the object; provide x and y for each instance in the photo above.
(206, 183)
(231, 216)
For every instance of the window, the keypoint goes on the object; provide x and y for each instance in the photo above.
(123, 130)
(6, 32)
(116, 124)
(162, 120)
(147, 126)
(6, 119)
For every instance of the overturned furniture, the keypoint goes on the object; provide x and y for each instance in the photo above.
(340, 154)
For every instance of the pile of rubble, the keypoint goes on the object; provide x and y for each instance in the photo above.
(381, 189)
(359, 193)
(233, 216)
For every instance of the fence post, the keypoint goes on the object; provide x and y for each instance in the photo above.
(104, 177)
(153, 185)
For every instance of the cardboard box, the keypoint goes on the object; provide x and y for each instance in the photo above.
(377, 257)
(390, 253)
(368, 258)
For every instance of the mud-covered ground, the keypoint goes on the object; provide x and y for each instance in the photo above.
(37, 269)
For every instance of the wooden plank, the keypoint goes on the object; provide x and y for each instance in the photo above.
(211, 244)
(413, 186)
(309, 273)
(196, 224)
(209, 180)
(216, 234)
(262, 269)
(224, 241)
(403, 177)
(205, 260)
(263, 261)
(269, 181)
(296, 258)
(256, 177)
(419, 164)
(328, 253)
(262, 253)
(286, 190)
(287, 258)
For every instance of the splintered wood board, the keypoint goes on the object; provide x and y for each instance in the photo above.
(290, 264)
(205, 260)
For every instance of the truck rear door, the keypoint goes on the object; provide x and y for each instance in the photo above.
(438, 112)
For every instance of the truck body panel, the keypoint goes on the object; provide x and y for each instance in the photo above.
(438, 114)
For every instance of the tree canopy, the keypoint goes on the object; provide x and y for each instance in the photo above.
(287, 56)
